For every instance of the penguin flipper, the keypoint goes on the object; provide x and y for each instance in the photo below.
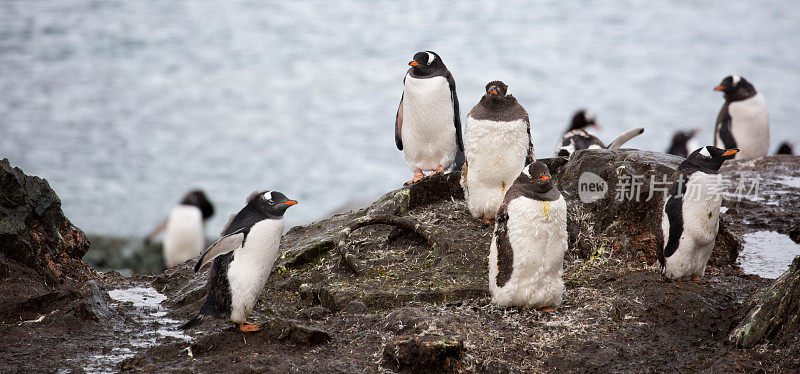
(456, 111)
(398, 125)
(193, 322)
(725, 134)
(222, 246)
(627, 135)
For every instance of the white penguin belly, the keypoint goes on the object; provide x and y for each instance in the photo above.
(184, 237)
(700, 225)
(495, 153)
(428, 133)
(537, 231)
(252, 265)
(749, 127)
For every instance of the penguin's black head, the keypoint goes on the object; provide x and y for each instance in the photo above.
(582, 119)
(709, 159)
(426, 63)
(786, 148)
(736, 88)
(538, 177)
(197, 198)
(680, 141)
(271, 203)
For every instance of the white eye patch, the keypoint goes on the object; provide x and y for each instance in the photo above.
(508, 91)
(526, 172)
(588, 115)
(268, 195)
(704, 152)
(736, 79)
(431, 56)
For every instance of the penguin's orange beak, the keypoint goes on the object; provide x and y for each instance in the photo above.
(544, 178)
(413, 63)
(290, 202)
(730, 152)
(719, 88)
(493, 91)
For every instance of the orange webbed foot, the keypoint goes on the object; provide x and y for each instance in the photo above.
(249, 327)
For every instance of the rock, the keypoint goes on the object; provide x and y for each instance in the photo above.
(795, 234)
(355, 307)
(93, 304)
(128, 255)
(626, 219)
(34, 230)
(402, 320)
(772, 314)
(423, 354)
(282, 329)
(314, 312)
(3, 267)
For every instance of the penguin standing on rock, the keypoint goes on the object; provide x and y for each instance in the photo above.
(242, 260)
(576, 137)
(185, 233)
(427, 127)
(497, 146)
(680, 143)
(526, 255)
(743, 121)
(690, 217)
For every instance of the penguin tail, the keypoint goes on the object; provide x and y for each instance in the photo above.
(193, 322)
(627, 135)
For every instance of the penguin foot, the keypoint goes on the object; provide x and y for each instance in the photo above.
(249, 327)
(547, 309)
(487, 221)
(417, 177)
(699, 280)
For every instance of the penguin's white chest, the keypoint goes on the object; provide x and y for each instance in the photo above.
(495, 153)
(428, 132)
(700, 212)
(251, 266)
(184, 237)
(750, 127)
(537, 231)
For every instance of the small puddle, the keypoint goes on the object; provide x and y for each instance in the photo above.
(149, 324)
(767, 253)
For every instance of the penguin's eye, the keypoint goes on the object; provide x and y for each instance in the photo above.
(544, 178)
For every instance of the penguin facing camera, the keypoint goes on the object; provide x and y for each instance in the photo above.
(184, 229)
(690, 217)
(576, 137)
(743, 120)
(680, 142)
(427, 126)
(497, 145)
(526, 254)
(242, 260)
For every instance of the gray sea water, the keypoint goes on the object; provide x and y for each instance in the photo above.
(125, 105)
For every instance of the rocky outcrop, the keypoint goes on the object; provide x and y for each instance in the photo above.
(773, 314)
(418, 303)
(34, 230)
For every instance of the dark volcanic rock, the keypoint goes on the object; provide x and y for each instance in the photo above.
(34, 230)
(423, 354)
(627, 219)
(773, 314)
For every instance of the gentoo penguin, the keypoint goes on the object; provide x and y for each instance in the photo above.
(427, 127)
(497, 146)
(680, 142)
(691, 214)
(530, 238)
(743, 121)
(184, 229)
(786, 148)
(242, 260)
(576, 137)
